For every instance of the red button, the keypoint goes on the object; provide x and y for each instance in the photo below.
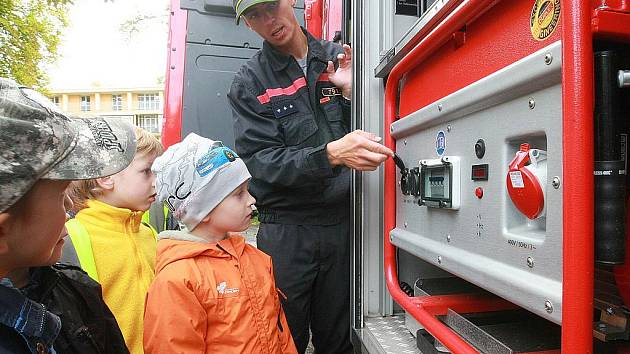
(479, 192)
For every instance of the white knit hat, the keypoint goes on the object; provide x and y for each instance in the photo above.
(194, 176)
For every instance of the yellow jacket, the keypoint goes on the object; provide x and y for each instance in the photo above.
(123, 251)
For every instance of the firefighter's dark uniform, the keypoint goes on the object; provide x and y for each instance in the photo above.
(282, 123)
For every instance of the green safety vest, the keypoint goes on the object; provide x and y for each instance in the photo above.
(161, 219)
(83, 246)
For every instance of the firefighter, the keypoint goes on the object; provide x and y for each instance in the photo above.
(291, 113)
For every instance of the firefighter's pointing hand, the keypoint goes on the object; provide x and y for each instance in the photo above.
(358, 150)
(342, 77)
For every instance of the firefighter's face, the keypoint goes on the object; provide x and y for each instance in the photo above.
(274, 21)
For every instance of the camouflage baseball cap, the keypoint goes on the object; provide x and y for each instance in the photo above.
(240, 6)
(39, 142)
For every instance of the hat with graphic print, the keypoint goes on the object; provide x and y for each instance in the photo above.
(240, 6)
(194, 176)
(37, 141)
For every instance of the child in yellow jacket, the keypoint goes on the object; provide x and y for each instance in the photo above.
(212, 293)
(110, 241)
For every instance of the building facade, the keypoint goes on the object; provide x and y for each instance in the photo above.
(142, 106)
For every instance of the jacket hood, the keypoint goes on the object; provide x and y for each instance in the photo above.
(176, 245)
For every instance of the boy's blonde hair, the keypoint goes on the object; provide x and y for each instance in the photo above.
(81, 191)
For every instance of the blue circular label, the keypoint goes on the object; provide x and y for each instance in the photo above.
(440, 143)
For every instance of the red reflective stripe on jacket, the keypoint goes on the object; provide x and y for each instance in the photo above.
(273, 92)
(323, 77)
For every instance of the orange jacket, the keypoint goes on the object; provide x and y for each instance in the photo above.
(213, 298)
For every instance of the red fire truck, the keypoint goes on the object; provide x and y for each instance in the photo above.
(503, 230)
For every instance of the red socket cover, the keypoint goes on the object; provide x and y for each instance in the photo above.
(523, 186)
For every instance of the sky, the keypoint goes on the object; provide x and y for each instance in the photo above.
(95, 52)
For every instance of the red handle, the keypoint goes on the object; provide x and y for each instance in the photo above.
(521, 158)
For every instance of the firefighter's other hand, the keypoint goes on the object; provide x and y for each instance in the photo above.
(342, 77)
(358, 150)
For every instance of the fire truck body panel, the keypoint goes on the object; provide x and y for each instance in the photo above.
(211, 48)
(486, 240)
(495, 39)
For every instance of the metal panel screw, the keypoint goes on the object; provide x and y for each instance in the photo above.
(440, 259)
(405, 224)
(530, 262)
(548, 58)
(449, 128)
(548, 306)
(556, 182)
(405, 142)
(440, 107)
(448, 238)
(532, 103)
(172, 67)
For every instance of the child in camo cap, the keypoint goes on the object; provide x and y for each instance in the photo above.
(41, 151)
(212, 292)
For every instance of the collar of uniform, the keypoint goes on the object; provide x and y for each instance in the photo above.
(27, 317)
(279, 61)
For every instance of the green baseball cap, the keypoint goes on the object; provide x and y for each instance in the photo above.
(240, 6)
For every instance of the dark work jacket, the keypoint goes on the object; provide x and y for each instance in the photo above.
(282, 123)
(87, 324)
(25, 325)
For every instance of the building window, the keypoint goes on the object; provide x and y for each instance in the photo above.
(85, 103)
(148, 101)
(117, 102)
(55, 100)
(149, 122)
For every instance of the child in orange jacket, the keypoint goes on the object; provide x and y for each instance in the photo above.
(212, 292)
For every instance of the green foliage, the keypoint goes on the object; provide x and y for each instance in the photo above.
(30, 33)
(255, 220)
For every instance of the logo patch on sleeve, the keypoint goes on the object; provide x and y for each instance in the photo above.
(285, 108)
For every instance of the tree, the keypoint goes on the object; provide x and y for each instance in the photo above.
(30, 33)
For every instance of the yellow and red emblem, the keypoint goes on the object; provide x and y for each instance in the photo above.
(544, 18)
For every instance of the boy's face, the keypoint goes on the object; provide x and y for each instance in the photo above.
(32, 232)
(134, 187)
(234, 213)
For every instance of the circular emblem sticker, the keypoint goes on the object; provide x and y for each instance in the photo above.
(440, 143)
(544, 18)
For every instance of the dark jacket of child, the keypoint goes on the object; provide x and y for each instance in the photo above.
(87, 324)
(25, 325)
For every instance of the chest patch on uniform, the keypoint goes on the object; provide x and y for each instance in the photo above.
(283, 109)
(331, 91)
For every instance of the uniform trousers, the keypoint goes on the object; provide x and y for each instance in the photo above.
(312, 268)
